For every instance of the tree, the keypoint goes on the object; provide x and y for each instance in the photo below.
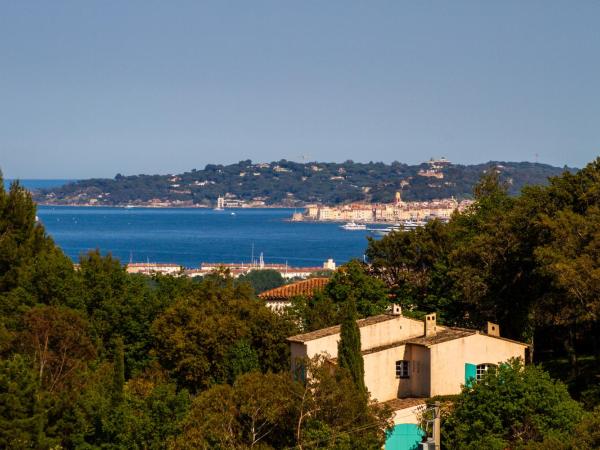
(511, 406)
(20, 410)
(252, 412)
(150, 417)
(195, 336)
(241, 358)
(585, 436)
(119, 371)
(414, 266)
(32, 269)
(58, 341)
(119, 304)
(329, 414)
(326, 308)
(262, 280)
(273, 411)
(349, 348)
(353, 281)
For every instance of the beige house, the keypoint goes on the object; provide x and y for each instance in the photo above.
(408, 360)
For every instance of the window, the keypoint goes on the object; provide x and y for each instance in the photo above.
(402, 369)
(482, 369)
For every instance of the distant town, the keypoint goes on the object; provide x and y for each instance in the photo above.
(397, 212)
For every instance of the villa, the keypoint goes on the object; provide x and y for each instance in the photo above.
(407, 361)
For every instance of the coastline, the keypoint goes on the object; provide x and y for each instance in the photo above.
(130, 206)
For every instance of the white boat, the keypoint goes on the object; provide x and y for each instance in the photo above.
(404, 226)
(412, 224)
(387, 230)
(354, 226)
(218, 209)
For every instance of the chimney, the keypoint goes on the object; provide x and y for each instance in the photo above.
(396, 310)
(430, 324)
(493, 329)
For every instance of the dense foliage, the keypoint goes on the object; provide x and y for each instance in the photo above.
(511, 407)
(350, 282)
(530, 263)
(93, 357)
(290, 183)
(262, 280)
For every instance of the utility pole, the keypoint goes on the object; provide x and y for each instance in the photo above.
(436, 426)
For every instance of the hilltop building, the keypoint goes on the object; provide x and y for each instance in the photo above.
(408, 360)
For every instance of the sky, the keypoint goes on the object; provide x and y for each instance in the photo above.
(96, 88)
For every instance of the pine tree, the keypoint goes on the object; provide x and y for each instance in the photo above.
(349, 354)
(119, 371)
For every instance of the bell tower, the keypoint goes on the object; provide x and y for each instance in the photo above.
(398, 198)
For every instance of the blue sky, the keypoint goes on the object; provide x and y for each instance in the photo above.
(96, 88)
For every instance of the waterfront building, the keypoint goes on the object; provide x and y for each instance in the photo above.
(399, 211)
(329, 264)
(154, 268)
(407, 361)
(237, 269)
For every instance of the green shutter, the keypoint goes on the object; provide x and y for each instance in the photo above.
(470, 374)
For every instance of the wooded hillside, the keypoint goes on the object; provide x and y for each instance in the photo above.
(295, 184)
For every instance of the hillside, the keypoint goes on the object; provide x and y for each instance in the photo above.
(294, 184)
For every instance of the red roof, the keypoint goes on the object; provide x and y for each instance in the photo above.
(305, 288)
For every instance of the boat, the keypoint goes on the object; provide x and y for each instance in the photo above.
(412, 224)
(218, 209)
(387, 230)
(404, 226)
(352, 226)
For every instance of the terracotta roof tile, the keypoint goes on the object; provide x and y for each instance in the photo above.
(305, 288)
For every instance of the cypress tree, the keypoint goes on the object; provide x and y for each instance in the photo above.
(349, 355)
(119, 371)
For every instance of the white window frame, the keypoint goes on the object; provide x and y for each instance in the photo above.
(482, 369)
(403, 368)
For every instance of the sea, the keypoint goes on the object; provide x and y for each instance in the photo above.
(190, 236)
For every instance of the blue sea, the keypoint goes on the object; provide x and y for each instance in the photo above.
(191, 236)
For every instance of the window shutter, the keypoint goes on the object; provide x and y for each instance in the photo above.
(470, 374)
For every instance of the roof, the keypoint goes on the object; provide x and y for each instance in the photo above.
(323, 332)
(305, 288)
(445, 335)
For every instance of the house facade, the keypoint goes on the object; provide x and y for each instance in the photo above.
(407, 361)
